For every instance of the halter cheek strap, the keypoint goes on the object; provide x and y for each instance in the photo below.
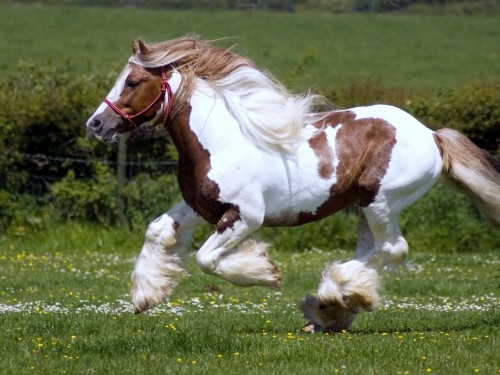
(165, 89)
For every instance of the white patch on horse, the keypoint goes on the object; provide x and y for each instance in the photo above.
(115, 92)
(311, 189)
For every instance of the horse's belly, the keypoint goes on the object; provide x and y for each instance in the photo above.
(308, 207)
(302, 196)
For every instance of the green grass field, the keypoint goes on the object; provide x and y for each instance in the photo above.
(64, 308)
(408, 51)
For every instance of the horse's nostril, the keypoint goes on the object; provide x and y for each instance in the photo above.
(95, 123)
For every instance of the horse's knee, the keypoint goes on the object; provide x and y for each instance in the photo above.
(161, 231)
(206, 261)
(400, 251)
(390, 253)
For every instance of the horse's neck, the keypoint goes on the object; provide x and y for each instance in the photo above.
(180, 132)
(199, 133)
(205, 121)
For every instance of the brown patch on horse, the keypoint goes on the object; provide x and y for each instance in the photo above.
(141, 87)
(200, 192)
(364, 147)
(324, 153)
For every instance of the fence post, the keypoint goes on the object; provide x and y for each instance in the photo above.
(121, 177)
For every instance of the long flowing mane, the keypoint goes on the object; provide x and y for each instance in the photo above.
(268, 114)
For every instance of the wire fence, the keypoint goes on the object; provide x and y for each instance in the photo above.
(43, 158)
(40, 180)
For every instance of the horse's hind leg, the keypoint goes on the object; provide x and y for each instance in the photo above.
(346, 288)
(159, 264)
(391, 249)
(366, 241)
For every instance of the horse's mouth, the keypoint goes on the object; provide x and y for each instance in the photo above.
(109, 136)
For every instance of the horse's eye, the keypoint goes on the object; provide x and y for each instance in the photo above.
(133, 84)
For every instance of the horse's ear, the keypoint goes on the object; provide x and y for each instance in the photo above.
(135, 48)
(142, 47)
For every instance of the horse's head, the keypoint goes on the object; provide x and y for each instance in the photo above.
(140, 96)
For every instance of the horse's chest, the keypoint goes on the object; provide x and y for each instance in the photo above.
(200, 192)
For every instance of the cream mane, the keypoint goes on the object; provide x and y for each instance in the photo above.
(267, 113)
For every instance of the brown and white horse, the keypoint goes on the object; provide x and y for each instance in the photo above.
(252, 155)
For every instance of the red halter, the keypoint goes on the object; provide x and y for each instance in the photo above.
(165, 87)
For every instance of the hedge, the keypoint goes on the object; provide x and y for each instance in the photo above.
(42, 133)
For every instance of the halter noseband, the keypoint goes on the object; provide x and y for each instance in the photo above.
(165, 88)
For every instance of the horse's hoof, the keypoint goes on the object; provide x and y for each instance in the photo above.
(141, 307)
(309, 327)
(277, 280)
(325, 317)
(137, 310)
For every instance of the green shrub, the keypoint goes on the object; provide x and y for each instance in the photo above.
(472, 109)
(366, 92)
(42, 113)
(334, 232)
(6, 212)
(19, 212)
(461, 7)
(148, 197)
(92, 199)
(445, 220)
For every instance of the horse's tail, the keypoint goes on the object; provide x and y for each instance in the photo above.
(471, 170)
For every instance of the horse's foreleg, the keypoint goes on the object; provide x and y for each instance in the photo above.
(230, 255)
(159, 264)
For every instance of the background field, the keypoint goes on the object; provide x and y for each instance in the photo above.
(64, 305)
(412, 51)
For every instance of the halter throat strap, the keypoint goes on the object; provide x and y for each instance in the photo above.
(165, 89)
